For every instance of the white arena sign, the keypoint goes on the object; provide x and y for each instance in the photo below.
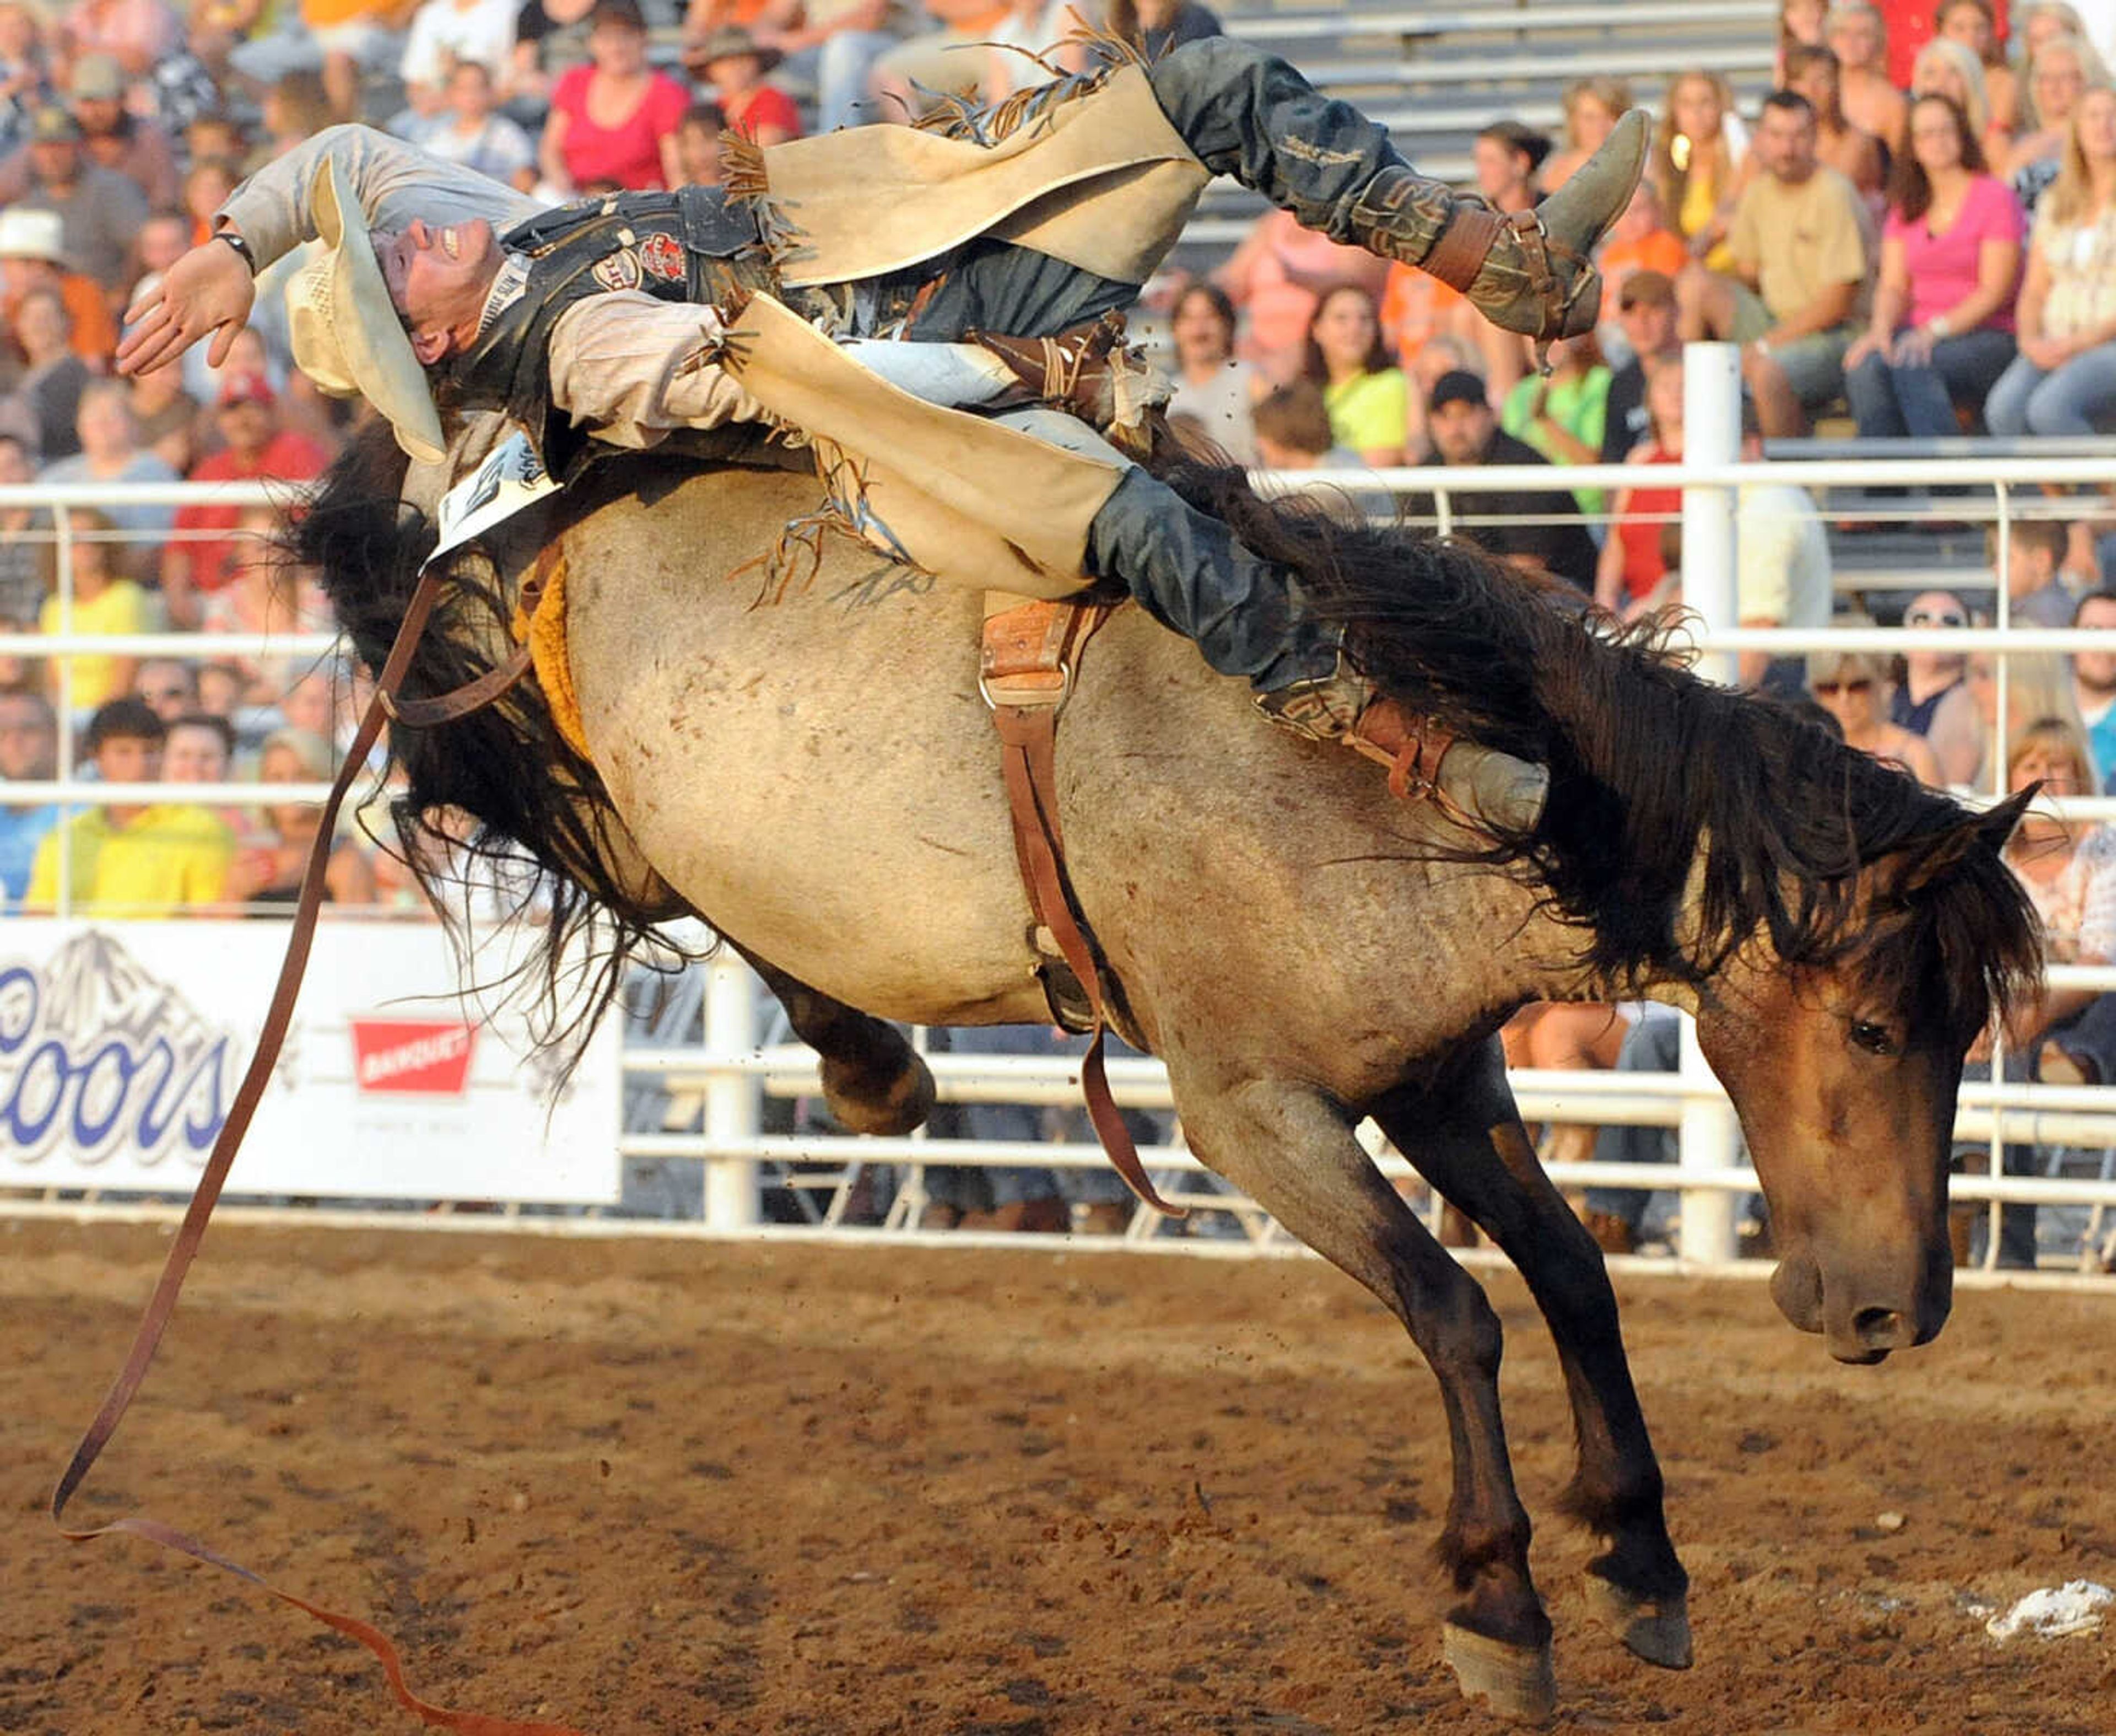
(121, 1045)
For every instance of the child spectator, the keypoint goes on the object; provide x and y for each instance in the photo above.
(2035, 596)
(2064, 376)
(1941, 332)
(1645, 314)
(731, 63)
(199, 749)
(29, 754)
(133, 859)
(1211, 383)
(1563, 414)
(1362, 391)
(469, 131)
(698, 153)
(270, 872)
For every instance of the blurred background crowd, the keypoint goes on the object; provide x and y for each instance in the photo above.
(1906, 224)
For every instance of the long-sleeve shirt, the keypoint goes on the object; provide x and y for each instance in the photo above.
(628, 366)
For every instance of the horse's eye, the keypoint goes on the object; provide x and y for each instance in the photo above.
(1874, 1038)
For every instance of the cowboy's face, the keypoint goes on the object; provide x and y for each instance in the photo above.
(439, 276)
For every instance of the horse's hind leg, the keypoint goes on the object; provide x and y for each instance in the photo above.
(1291, 1149)
(873, 1080)
(1469, 1143)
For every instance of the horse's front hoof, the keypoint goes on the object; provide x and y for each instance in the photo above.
(903, 1105)
(1518, 1681)
(1657, 1628)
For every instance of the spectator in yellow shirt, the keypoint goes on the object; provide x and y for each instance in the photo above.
(103, 602)
(129, 859)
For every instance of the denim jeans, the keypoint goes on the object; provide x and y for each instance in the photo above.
(1891, 399)
(2072, 399)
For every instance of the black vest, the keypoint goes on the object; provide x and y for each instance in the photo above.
(687, 246)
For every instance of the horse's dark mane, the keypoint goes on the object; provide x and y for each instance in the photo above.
(1646, 760)
(542, 818)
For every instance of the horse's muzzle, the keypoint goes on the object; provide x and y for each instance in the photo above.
(1858, 1327)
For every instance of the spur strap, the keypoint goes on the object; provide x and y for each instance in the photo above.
(1025, 673)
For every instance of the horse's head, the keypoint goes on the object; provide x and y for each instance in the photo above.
(1844, 1067)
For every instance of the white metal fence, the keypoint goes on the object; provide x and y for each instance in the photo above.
(702, 1100)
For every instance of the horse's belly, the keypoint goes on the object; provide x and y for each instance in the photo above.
(817, 785)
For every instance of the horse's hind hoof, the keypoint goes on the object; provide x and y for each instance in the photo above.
(1518, 1681)
(1657, 1628)
(895, 1110)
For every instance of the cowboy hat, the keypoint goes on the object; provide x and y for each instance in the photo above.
(31, 234)
(344, 329)
(730, 41)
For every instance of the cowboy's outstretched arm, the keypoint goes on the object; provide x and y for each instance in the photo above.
(208, 289)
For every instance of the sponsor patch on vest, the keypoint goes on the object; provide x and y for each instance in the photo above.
(662, 257)
(618, 271)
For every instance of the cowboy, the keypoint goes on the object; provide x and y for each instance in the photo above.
(608, 312)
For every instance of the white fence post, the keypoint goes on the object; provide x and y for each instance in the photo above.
(1708, 1138)
(733, 1099)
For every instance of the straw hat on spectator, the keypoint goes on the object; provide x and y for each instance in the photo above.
(345, 330)
(96, 78)
(29, 234)
(730, 41)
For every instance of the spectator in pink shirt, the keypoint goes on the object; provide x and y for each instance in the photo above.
(1942, 330)
(137, 34)
(612, 122)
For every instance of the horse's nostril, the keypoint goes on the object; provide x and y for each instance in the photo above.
(1878, 1328)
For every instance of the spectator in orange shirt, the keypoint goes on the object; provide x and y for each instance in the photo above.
(33, 256)
(1640, 240)
(258, 446)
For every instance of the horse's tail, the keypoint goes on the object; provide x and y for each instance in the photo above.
(540, 824)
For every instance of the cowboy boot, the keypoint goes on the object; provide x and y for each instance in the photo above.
(1532, 271)
(1086, 370)
(1344, 707)
(1251, 115)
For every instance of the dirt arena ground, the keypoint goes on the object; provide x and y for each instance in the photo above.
(659, 1486)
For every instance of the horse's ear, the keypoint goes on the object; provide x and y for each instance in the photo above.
(1943, 855)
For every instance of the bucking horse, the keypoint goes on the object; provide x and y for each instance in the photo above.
(807, 765)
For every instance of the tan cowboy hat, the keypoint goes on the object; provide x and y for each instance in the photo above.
(345, 330)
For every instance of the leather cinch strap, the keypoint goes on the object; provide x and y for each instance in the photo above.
(185, 1248)
(1025, 673)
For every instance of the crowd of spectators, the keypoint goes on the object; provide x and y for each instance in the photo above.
(1913, 233)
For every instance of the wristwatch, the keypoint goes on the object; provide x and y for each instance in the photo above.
(233, 237)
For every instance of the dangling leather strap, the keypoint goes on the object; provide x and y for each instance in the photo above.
(1026, 675)
(163, 1304)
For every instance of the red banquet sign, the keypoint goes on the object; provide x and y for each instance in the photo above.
(427, 1055)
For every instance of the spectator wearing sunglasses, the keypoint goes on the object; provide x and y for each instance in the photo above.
(1852, 687)
(1933, 698)
(2093, 682)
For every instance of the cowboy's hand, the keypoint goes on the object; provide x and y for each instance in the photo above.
(209, 289)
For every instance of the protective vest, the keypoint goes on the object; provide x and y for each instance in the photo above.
(687, 246)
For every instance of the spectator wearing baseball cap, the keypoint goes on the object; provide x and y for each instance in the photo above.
(259, 445)
(100, 210)
(1538, 530)
(111, 136)
(1646, 314)
(33, 256)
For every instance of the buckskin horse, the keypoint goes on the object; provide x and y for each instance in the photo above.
(815, 775)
